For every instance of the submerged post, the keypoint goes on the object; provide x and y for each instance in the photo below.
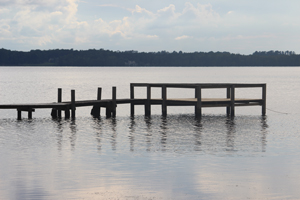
(96, 108)
(228, 97)
(148, 102)
(131, 97)
(264, 98)
(232, 97)
(164, 100)
(19, 114)
(114, 101)
(73, 107)
(59, 100)
(198, 107)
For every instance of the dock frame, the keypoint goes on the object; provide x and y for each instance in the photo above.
(69, 107)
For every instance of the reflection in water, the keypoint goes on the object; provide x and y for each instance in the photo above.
(98, 127)
(163, 133)
(197, 134)
(230, 125)
(264, 127)
(184, 134)
(177, 133)
(131, 133)
(114, 134)
(148, 133)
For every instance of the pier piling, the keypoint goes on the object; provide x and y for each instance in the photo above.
(73, 108)
(96, 110)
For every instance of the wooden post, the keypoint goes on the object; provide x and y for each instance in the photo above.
(198, 107)
(54, 113)
(114, 101)
(131, 97)
(73, 107)
(67, 113)
(164, 100)
(19, 114)
(96, 109)
(59, 100)
(264, 98)
(148, 102)
(30, 113)
(228, 97)
(108, 110)
(232, 97)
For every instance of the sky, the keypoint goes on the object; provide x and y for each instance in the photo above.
(236, 26)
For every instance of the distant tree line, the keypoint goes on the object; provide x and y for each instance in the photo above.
(101, 57)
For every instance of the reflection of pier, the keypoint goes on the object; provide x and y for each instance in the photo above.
(230, 101)
(182, 134)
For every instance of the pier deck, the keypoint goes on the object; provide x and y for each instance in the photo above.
(230, 102)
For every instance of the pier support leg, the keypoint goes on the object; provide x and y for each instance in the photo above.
(96, 109)
(73, 108)
(108, 111)
(148, 102)
(30, 114)
(198, 107)
(164, 100)
(228, 97)
(19, 115)
(59, 100)
(232, 97)
(131, 97)
(54, 113)
(264, 98)
(67, 113)
(114, 101)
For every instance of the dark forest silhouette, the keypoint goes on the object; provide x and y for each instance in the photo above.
(101, 57)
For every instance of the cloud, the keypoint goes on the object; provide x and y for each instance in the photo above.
(32, 24)
(182, 37)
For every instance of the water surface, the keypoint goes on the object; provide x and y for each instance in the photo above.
(178, 157)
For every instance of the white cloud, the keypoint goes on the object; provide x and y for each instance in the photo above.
(169, 26)
(182, 37)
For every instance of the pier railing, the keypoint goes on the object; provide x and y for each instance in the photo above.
(229, 101)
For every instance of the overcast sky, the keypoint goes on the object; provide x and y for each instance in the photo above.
(236, 26)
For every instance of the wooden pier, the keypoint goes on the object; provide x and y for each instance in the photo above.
(229, 101)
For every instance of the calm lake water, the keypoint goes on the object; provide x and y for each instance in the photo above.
(179, 157)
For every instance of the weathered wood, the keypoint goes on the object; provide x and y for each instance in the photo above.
(131, 98)
(59, 100)
(230, 102)
(73, 107)
(198, 107)
(232, 98)
(228, 97)
(164, 100)
(148, 102)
